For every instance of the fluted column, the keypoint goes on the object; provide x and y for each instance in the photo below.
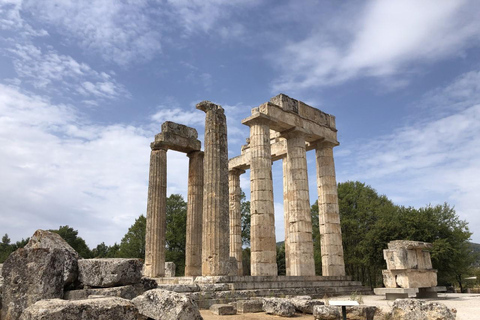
(299, 241)
(216, 224)
(286, 218)
(156, 212)
(262, 229)
(329, 217)
(193, 248)
(235, 217)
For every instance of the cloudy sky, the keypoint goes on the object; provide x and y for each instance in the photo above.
(85, 86)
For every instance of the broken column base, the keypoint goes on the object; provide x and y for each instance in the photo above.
(403, 293)
(410, 278)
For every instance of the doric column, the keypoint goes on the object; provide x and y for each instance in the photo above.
(286, 218)
(193, 248)
(262, 228)
(299, 241)
(235, 217)
(329, 217)
(156, 212)
(216, 233)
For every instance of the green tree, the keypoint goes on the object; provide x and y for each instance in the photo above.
(246, 261)
(71, 237)
(5, 248)
(317, 254)
(133, 243)
(176, 220)
(245, 217)
(281, 266)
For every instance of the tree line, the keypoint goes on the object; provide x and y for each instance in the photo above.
(368, 221)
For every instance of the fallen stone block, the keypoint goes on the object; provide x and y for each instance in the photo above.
(361, 312)
(127, 292)
(51, 240)
(304, 305)
(249, 306)
(109, 272)
(404, 309)
(166, 305)
(31, 275)
(223, 309)
(326, 312)
(102, 308)
(279, 307)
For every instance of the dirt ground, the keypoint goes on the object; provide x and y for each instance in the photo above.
(467, 306)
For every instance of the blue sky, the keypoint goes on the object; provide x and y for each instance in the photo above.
(85, 86)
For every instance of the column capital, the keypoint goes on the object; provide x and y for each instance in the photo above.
(155, 146)
(294, 132)
(207, 106)
(236, 171)
(258, 118)
(320, 144)
(195, 153)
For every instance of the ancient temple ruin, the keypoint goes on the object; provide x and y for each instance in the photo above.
(281, 129)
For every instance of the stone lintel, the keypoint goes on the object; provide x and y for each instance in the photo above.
(179, 129)
(409, 245)
(206, 106)
(176, 142)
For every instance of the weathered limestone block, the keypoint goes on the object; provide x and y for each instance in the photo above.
(102, 308)
(223, 309)
(170, 269)
(47, 239)
(406, 309)
(409, 278)
(126, 292)
(109, 272)
(177, 137)
(279, 307)
(249, 306)
(326, 313)
(361, 312)
(31, 275)
(402, 258)
(306, 305)
(166, 305)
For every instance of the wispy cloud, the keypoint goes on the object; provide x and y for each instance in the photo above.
(53, 71)
(383, 39)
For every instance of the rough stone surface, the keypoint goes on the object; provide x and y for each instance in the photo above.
(126, 292)
(216, 221)
(235, 217)
(170, 269)
(109, 272)
(223, 309)
(405, 309)
(31, 275)
(166, 305)
(249, 306)
(361, 312)
(47, 239)
(279, 307)
(305, 305)
(102, 309)
(326, 313)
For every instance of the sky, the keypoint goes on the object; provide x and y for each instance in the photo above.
(86, 85)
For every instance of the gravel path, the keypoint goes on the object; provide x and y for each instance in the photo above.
(467, 306)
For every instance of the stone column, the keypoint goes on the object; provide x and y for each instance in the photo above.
(262, 228)
(329, 217)
(156, 212)
(216, 233)
(193, 248)
(299, 241)
(235, 217)
(286, 218)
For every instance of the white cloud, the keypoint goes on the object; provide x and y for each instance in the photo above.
(52, 71)
(386, 38)
(196, 117)
(119, 31)
(432, 159)
(59, 169)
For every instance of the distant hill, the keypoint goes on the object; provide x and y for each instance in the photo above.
(476, 249)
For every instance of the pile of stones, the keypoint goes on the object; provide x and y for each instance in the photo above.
(48, 280)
